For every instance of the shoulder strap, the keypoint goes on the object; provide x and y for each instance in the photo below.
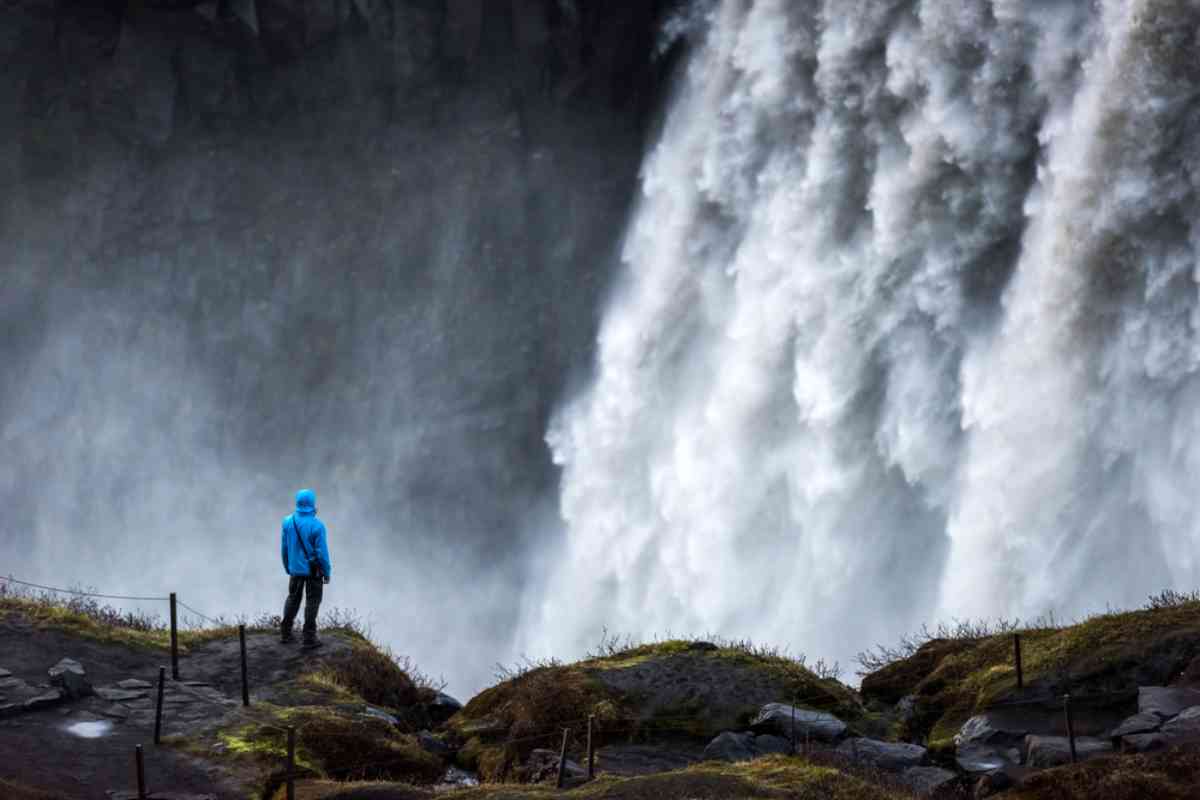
(303, 546)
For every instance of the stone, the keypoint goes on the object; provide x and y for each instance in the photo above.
(730, 746)
(1166, 702)
(1143, 743)
(1054, 751)
(906, 709)
(1138, 723)
(11, 683)
(1185, 727)
(47, 700)
(433, 745)
(992, 784)
(11, 710)
(767, 744)
(994, 729)
(891, 756)
(134, 683)
(976, 759)
(70, 676)
(777, 718)
(116, 711)
(443, 708)
(928, 781)
(5, 673)
(118, 695)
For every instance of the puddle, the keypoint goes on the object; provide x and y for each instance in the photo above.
(90, 730)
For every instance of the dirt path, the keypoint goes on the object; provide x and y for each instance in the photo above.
(39, 748)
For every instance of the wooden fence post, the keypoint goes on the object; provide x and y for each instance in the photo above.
(1017, 659)
(162, 680)
(141, 772)
(562, 758)
(245, 680)
(291, 763)
(1070, 727)
(174, 640)
(591, 749)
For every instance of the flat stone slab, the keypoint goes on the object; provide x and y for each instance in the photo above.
(134, 683)
(893, 756)
(1138, 723)
(5, 673)
(1166, 702)
(1054, 751)
(119, 695)
(116, 711)
(45, 700)
(781, 719)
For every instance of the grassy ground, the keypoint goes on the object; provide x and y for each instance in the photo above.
(1172, 775)
(1109, 653)
(775, 777)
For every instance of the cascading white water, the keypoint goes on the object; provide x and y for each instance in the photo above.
(908, 329)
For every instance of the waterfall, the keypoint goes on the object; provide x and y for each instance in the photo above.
(907, 329)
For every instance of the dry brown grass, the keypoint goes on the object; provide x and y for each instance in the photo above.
(1171, 775)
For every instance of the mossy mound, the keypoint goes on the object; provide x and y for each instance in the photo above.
(1171, 775)
(774, 778)
(1109, 655)
(648, 692)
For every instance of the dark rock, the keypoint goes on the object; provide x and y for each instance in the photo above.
(999, 729)
(1054, 751)
(730, 746)
(11, 710)
(1184, 727)
(928, 781)
(1166, 702)
(1143, 743)
(116, 711)
(975, 759)
(892, 756)
(431, 744)
(781, 719)
(992, 784)
(767, 744)
(46, 700)
(443, 708)
(1138, 723)
(134, 683)
(5, 673)
(70, 676)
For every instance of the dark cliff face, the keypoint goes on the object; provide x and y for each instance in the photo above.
(251, 244)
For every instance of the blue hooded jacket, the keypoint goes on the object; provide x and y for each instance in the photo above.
(312, 529)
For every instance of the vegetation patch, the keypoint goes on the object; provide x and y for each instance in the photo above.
(954, 677)
(1170, 775)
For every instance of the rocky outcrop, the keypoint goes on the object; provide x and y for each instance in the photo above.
(70, 676)
(1166, 702)
(730, 746)
(1054, 751)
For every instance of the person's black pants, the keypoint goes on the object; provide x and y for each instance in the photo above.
(311, 589)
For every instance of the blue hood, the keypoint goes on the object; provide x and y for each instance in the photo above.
(306, 502)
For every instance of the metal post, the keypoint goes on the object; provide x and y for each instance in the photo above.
(245, 680)
(591, 749)
(162, 680)
(174, 640)
(141, 772)
(291, 764)
(1017, 659)
(562, 758)
(1070, 727)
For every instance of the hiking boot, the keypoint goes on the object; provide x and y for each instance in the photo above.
(312, 644)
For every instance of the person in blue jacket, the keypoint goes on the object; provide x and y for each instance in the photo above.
(306, 561)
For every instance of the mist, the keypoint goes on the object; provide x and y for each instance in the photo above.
(250, 248)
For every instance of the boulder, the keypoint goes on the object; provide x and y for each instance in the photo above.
(443, 708)
(1183, 728)
(1138, 723)
(433, 745)
(977, 759)
(1143, 743)
(1054, 751)
(767, 744)
(778, 718)
(730, 746)
(928, 781)
(70, 676)
(891, 756)
(1166, 702)
(995, 729)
